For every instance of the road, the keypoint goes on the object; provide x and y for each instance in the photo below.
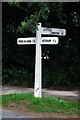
(45, 92)
(10, 114)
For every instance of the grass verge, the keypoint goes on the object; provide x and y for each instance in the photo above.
(44, 104)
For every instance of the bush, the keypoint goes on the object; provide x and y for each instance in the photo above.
(18, 77)
(51, 79)
(61, 78)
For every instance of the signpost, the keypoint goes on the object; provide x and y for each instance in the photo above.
(49, 40)
(53, 31)
(44, 40)
(25, 41)
(39, 41)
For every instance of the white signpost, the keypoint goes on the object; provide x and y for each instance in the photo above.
(49, 40)
(39, 41)
(53, 31)
(23, 41)
(44, 40)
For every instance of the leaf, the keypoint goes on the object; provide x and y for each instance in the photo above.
(24, 24)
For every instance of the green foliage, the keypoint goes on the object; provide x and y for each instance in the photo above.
(65, 78)
(21, 77)
(23, 24)
(18, 77)
(51, 79)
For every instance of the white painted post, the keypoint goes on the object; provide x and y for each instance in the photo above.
(38, 79)
(39, 41)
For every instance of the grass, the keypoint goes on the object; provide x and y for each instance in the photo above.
(44, 104)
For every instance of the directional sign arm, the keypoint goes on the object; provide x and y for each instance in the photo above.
(53, 31)
(26, 41)
(44, 40)
(49, 40)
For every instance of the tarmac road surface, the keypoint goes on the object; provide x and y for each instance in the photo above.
(45, 92)
(11, 114)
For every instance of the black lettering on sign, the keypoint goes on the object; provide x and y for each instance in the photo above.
(24, 40)
(20, 41)
(50, 30)
(29, 41)
(45, 40)
(47, 29)
(44, 29)
(33, 40)
(54, 41)
(55, 33)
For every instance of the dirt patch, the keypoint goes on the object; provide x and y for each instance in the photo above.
(22, 108)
